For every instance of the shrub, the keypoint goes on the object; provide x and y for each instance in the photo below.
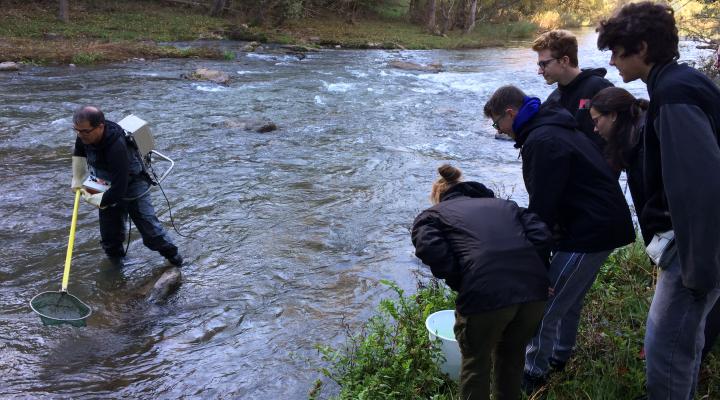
(392, 357)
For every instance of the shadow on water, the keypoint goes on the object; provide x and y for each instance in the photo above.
(293, 229)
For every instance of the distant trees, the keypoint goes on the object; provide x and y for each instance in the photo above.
(217, 8)
(63, 11)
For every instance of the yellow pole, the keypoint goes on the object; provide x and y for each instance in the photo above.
(71, 242)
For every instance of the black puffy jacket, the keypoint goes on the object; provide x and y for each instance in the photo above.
(576, 96)
(571, 185)
(492, 252)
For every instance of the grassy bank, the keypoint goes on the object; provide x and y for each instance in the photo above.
(390, 357)
(117, 30)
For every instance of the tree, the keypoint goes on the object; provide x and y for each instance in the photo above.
(64, 11)
(217, 8)
(470, 25)
(431, 8)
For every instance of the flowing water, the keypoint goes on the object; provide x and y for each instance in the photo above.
(291, 230)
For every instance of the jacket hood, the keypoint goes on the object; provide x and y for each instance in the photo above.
(584, 74)
(468, 189)
(111, 134)
(550, 113)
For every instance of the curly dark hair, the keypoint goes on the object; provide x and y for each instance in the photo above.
(646, 22)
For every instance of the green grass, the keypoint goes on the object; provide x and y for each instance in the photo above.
(398, 31)
(114, 20)
(31, 31)
(608, 363)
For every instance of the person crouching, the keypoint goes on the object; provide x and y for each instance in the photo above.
(495, 255)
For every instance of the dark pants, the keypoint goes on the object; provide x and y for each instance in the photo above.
(502, 334)
(712, 328)
(142, 213)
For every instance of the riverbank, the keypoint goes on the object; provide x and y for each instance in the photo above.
(390, 357)
(117, 31)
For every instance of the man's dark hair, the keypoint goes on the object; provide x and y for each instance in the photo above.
(646, 22)
(90, 114)
(504, 97)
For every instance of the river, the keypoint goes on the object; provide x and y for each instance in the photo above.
(291, 230)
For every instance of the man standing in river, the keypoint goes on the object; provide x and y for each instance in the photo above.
(102, 146)
(573, 190)
(682, 175)
(557, 52)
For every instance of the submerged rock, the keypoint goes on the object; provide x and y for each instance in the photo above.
(411, 66)
(168, 282)
(250, 47)
(9, 66)
(260, 126)
(204, 74)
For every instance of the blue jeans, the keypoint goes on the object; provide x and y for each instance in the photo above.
(571, 275)
(141, 211)
(674, 336)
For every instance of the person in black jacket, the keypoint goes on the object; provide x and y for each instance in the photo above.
(574, 191)
(557, 52)
(493, 253)
(682, 175)
(619, 117)
(101, 145)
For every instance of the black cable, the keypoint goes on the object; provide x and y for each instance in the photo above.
(172, 220)
(129, 231)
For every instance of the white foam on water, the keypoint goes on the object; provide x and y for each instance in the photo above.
(471, 82)
(319, 100)
(247, 72)
(204, 88)
(60, 121)
(341, 87)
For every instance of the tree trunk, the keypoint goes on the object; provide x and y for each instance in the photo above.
(471, 17)
(431, 7)
(64, 11)
(217, 8)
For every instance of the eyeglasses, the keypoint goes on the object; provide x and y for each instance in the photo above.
(84, 131)
(544, 63)
(596, 119)
(497, 121)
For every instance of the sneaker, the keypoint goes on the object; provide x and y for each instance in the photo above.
(531, 384)
(176, 260)
(556, 365)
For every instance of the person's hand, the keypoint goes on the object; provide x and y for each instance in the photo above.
(79, 172)
(94, 199)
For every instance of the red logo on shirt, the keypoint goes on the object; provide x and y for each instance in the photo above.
(584, 104)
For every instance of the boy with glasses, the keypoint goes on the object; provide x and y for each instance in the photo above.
(682, 176)
(558, 63)
(573, 190)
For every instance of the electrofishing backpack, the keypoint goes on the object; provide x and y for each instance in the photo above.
(139, 137)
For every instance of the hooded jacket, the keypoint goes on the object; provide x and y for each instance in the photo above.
(492, 252)
(576, 96)
(682, 168)
(113, 160)
(570, 185)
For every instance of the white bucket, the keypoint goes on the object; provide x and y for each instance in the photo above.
(440, 324)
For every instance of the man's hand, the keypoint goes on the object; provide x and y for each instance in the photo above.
(94, 199)
(79, 172)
